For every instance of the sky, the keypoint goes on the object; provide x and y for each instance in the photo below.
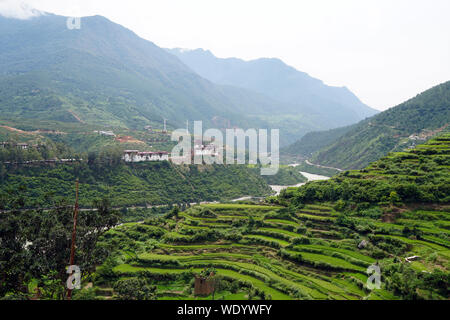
(385, 51)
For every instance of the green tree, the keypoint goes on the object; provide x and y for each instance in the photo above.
(135, 289)
(394, 197)
(36, 244)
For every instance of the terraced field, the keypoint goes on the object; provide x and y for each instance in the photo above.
(267, 251)
(312, 242)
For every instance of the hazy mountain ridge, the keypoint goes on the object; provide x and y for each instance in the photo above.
(105, 74)
(336, 106)
(314, 141)
(395, 129)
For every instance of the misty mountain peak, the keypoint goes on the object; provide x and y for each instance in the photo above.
(18, 10)
(279, 81)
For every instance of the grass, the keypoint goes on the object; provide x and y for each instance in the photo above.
(204, 246)
(282, 243)
(280, 231)
(313, 287)
(187, 258)
(327, 269)
(334, 262)
(238, 206)
(282, 222)
(326, 249)
(314, 217)
(276, 294)
(265, 272)
(419, 243)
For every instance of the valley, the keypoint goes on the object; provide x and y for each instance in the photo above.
(292, 247)
(315, 195)
(404, 126)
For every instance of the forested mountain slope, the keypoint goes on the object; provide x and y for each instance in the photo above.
(419, 175)
(314, 141)
(104, 74)
(138, 184)
(405, 125)
(312, 242)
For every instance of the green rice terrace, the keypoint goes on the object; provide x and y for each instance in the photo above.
(299, 245)
(270, 252)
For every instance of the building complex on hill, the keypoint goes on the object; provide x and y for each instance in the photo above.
(137, 156)
(140, 156)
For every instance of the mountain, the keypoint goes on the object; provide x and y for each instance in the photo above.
(314, 141)
(403, 126)
(310, 97)
(334, 229)
(418, 175)
(104, 74)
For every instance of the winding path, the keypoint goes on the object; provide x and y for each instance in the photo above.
(320, 166)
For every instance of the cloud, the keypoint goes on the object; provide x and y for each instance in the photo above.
(18, 9)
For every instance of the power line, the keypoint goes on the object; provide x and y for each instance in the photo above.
(74, 234)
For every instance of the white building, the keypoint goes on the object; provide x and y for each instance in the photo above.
(417, 137)
(22, 146)
(137, 156)
(106, 133)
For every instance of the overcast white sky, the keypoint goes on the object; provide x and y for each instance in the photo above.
(385, 51)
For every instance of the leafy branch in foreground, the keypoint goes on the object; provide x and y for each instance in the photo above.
(35, 246)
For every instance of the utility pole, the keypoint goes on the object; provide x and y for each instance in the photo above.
(74, 234)
(165, 126)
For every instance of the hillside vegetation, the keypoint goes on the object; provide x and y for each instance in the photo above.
(418, 175)
(138, 184)
(285, 176)
(105, 75)
(356, 146)
(314, 141)
(312, 242)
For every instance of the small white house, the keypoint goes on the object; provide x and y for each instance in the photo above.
(413, 258)
(22, 146)
(105, 133)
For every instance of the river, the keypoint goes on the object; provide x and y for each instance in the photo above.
(307, 175)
